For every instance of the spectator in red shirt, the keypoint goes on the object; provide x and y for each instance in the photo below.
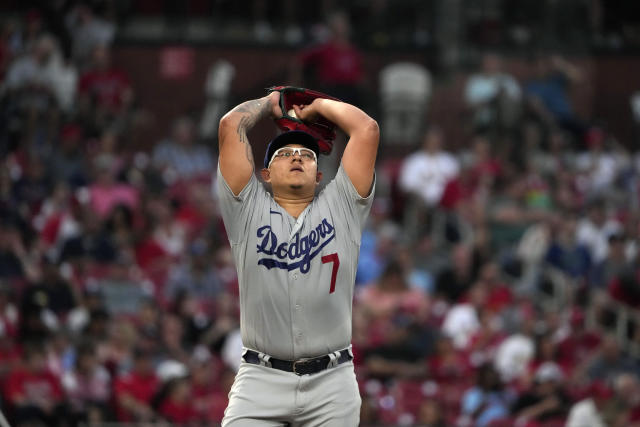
(176, 404)
(104, 89)
(578, 347)
(335, 65)
(135, 390)
(449, 365)
(33, 392)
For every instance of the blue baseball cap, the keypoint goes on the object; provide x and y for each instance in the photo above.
(291, 137)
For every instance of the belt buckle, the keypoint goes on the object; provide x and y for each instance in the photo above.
(295, 366)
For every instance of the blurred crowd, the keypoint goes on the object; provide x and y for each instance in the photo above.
(118, 293)
(572, 24)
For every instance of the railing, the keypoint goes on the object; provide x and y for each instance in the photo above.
(622, 321)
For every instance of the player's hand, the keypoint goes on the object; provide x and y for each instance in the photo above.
(308, 113)
(274, 100)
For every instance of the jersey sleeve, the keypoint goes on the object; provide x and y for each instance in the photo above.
(343, 197)
(237, 211)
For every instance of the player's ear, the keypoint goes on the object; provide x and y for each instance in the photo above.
(318, 177)
(266, 174)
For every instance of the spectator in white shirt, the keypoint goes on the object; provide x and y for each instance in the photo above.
(492, 94)
(462, 320)
(589, 411)
(594, 231)
(424, 176)
(41, 78)
(426, 172)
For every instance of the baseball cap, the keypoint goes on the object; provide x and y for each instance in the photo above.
(291, 137)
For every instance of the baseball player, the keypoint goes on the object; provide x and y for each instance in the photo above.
(296, 254)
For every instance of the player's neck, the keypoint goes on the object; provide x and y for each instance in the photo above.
(293, 205)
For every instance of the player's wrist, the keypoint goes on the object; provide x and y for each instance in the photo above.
(274, 101)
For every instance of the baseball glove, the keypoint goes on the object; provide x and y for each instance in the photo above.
(322, 129)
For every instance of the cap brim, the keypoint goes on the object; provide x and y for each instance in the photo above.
(292, 137)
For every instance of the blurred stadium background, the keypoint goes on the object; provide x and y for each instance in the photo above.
(499, 275)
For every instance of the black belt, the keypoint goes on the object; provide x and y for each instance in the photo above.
(298, 367)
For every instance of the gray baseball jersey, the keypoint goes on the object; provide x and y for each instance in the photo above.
(296, 276)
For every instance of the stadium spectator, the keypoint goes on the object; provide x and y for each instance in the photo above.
(609, 361)
(33, 392)
(167, 231)
(117, 344)
(68, 157)
(513, 356)
(175, 402)
(195, 276)
(577, 348)
(90, 245)
(124, 287)
(423, 178)
(456, 278)
(547, 92)
(33, 186)
(105, 94)
(106, 192)
(565, 252)
(391, 294)
(493, 96)
(463, 319)
(395, 314)
(448, 365)
(546, 401)
(135, 390)
(51, 292)
(589, 411)
(623, 409)
(598, 165)
(88, 30)
(380, 239)
(625, 287)
(594, 229)
(425, 173)
(38, 83)
(615, 265)
(488, 400)
(87, 386)
(180, 155)
(333, 66)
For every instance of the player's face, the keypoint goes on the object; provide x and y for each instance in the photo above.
(293, 169)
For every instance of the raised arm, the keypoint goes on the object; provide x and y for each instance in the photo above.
(359, 156)
(236, 158)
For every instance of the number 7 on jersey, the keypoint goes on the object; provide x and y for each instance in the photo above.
(334, 271)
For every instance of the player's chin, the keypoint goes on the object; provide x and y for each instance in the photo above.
(299, 184)
(299, 180)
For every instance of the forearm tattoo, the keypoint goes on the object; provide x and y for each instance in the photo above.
(251, 111)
